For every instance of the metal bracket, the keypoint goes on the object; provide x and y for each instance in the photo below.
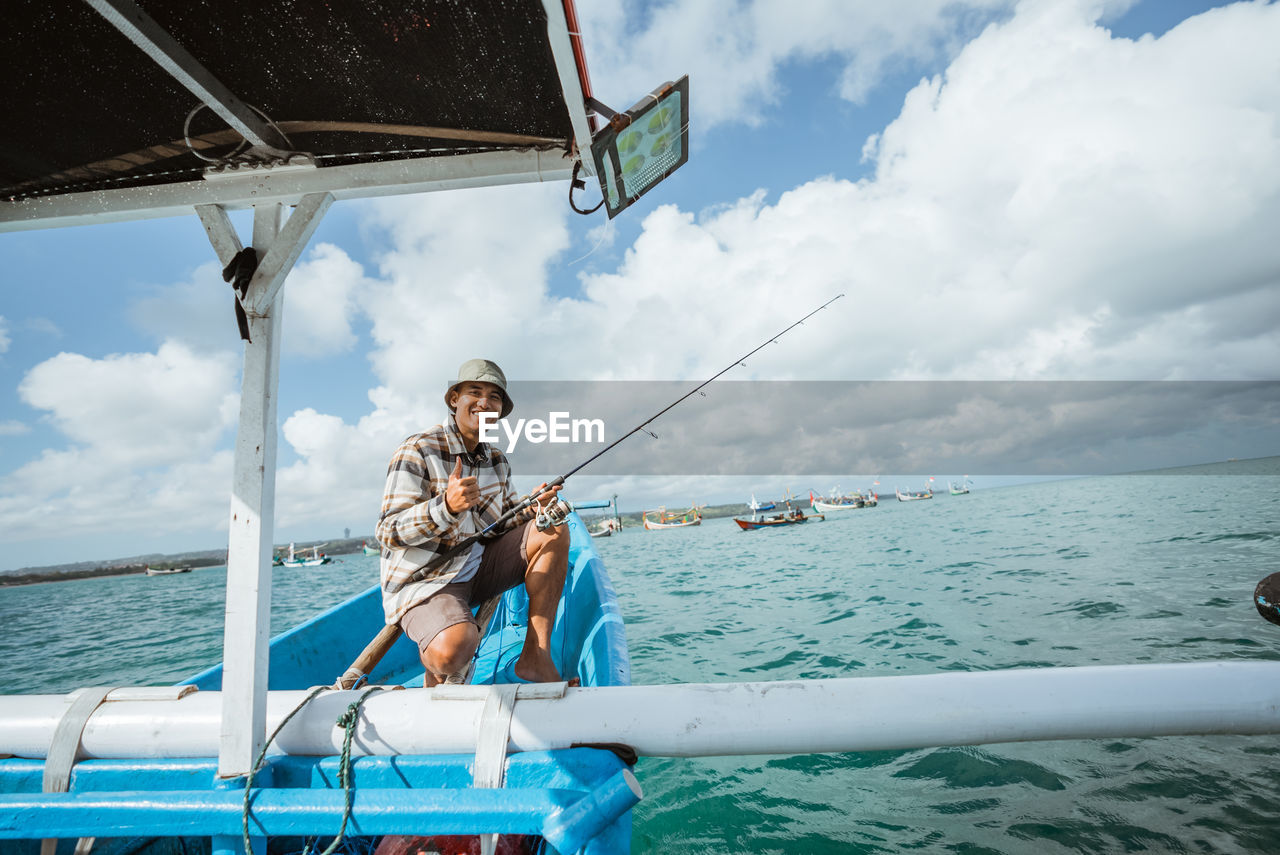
(65, 744)
(494, 733)
(601, 108)
(262, 160)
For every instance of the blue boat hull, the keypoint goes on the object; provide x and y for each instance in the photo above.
(139, 804)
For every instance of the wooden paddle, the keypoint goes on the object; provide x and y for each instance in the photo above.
(369, 657)
(388, 635)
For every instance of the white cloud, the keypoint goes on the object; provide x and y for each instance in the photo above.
(733, 51)
(198, 311)
(4, 335)
(321, 297)
(1059, 204)
(142, 431)
(466, 276)
(43, 326)
(338, 477)
(134, 408)
(13, 427)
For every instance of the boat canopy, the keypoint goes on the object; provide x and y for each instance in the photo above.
(122, 109)
(126, 109)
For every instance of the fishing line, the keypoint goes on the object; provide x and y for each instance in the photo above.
(531, 500)
(605, 231)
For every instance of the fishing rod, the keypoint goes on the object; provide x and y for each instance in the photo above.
(556, 519)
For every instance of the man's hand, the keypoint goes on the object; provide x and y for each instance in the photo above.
(462, 493)
(544, 496)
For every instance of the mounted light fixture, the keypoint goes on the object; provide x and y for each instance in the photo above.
(642, 146)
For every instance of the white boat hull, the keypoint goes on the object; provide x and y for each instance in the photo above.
(653, 526)
(825, 507)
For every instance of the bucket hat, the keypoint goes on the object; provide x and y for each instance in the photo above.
(482, 371)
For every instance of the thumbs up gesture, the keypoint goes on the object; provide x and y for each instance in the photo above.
(461, 493)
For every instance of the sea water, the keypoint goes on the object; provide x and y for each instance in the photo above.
(1096, 571)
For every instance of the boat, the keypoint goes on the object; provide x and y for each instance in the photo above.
(437, 119)
(792, 516)
(295, 560)
(960, 489)
(669, 519)
(836, 501)
(915, 496)
(260, 747)
(795, 516)
(166, 571)
(572, 797)
(369, 550)
(756, 506)
(607, 526)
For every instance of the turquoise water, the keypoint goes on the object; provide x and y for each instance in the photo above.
(1099, 571)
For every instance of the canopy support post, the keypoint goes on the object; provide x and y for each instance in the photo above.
(559, 35)
(249, 545)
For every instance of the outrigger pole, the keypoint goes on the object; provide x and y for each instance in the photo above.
(531, 499)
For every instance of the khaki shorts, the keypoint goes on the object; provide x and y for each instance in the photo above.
(502, 566)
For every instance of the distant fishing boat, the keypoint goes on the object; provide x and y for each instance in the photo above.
(369, 550)
(959, 490)
(757, 506)
(606, 527)
(669, 519)
(836, 501)
(317, 558)
(792, 516)
(915, 496)
(166, 571)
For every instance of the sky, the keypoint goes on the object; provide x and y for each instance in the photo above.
(1077, 195)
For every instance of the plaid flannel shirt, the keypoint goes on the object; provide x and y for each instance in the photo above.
(416, 525)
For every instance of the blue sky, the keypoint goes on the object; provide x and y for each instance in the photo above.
(1055, 190)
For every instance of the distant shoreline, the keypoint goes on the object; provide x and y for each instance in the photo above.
(12, 580)
(139, 564)
(632, 519)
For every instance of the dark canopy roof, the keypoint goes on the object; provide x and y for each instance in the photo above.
(90, 109)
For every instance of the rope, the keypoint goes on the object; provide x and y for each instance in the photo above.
(347, 721)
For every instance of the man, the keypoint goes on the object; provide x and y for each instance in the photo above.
(443, 485)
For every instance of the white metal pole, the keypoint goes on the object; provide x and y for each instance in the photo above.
(248, 613)
(138, 27)
(705, 720)
(567, 68)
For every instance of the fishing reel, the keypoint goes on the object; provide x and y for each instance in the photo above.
(551, 515)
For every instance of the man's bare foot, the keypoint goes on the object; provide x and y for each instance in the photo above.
(537, 667)
(429, 678)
